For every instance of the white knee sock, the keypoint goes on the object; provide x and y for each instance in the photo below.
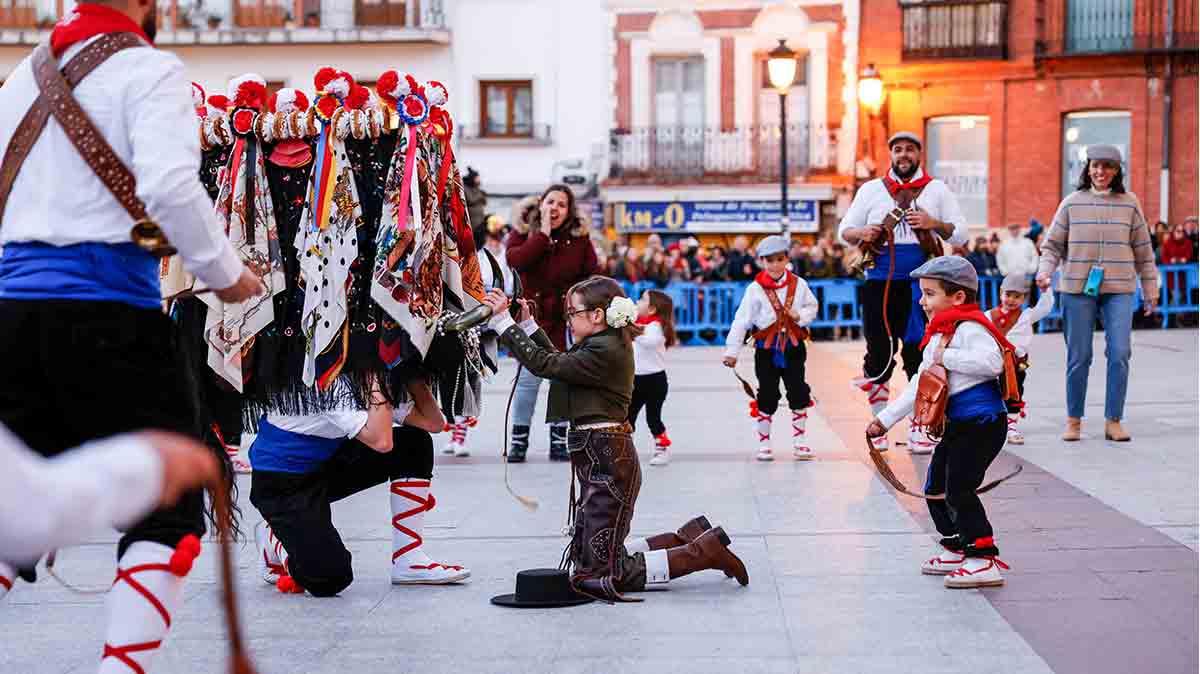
(8, 576)
(762, 426)
(410, 501)
(877, 397)
(148, 588)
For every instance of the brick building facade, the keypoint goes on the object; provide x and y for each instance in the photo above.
(1008, 92)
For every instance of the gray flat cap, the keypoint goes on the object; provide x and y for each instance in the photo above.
(1103, 152)
(904, 135)
(949, 268)
(772, 245)
(1017, 283)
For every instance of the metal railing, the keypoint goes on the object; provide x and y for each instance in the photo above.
(954, 29)
(1069, 27)
(672, 154)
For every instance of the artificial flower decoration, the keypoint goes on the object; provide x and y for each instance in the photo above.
(333, 87)
(288, 100)
(198, 100)
(249, 96)
(412, 106)
(621, 312)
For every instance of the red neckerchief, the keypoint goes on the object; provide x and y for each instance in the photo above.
(946, 321)
(647, 320)
(893, 186)
(1003, 319)
(88, 20)
(764, 279)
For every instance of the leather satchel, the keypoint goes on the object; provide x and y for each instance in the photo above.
(933, 395)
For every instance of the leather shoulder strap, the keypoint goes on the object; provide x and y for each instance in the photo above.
(35, 119)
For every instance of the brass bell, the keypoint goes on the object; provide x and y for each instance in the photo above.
(150, 238)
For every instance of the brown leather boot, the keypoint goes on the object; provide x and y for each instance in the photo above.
(1114, 431)
(1071, 433)
(709, 551)
(684, 535)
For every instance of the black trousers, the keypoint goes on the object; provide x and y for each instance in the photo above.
(297, 505)
(799, 394)
(877, 362)
(956, 469)
(77, 371)
(649, 391)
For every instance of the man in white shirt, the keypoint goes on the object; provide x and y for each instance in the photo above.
(929, 217)
(90, 353)
(1017, 254)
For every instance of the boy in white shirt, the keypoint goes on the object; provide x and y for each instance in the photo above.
(304, 463)
(975, 420)
(1017, 324)
(777, 309)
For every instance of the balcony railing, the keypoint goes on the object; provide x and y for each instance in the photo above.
(936, 29)
(750, 154)
(1071, 27)
(258, 21)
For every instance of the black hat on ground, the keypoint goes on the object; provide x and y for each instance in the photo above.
(541, 588)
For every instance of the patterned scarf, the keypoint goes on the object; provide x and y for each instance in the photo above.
(249, 220)
(327, 245)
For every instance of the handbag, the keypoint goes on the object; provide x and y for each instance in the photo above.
(933, 394)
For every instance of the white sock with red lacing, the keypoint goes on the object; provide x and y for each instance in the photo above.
(410, 501)
(7, 576)
(148, 587)
(799, 424)
(458, 433)
(877, 397)
(762, 426)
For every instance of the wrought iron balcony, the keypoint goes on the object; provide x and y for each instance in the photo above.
(1078, 27)
(938, 29)
(219, 22)
(679, 154)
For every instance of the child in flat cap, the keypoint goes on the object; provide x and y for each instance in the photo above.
(1016, 323)
(962, 339)
(776, 310)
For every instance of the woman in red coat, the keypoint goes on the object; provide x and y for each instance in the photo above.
(551, 250)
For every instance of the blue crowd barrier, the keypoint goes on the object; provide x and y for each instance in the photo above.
(704, 312)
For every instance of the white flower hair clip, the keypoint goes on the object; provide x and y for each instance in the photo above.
(621, 312)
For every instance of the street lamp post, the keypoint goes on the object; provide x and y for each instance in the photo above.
(781, 67)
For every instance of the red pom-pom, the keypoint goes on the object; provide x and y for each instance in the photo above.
(359, 95)
(446, 427)
(287, 585)
(754, 409)
(219, 101)
(414, 87)
(386, 86)
(250, 94)
(185, 554)
(243, 121)
(327, 105)
(324, 76)
(301, 101)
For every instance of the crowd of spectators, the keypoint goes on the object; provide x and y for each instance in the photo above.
(689, 261)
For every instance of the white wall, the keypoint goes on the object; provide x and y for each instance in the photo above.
(563, 47)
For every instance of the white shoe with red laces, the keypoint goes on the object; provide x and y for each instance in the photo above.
(661, 457)
(977, 572)
(270, 553)
(802, 453)
(765, 453)
(1015, 437)
(919, 441)
(880, 444)
(944, 562)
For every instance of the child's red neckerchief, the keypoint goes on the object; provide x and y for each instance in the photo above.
(647, 320)
(946, 321)
(764, 279)
(88, 20)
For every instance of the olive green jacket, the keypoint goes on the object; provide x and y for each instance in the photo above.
(592, 381)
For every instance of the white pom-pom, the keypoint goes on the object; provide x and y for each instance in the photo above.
(232, 89)
(435, 93)
(339, 86)
(198, 96)
(402, 87)
(621, 312)
(285, 100)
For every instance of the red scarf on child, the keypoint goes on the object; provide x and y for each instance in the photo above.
(764, 279)
(944, 323)
(647, 320)
(88, 20)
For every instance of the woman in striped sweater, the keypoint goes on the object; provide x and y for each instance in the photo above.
(1100, 239)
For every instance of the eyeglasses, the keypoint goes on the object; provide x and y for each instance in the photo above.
(571, 313)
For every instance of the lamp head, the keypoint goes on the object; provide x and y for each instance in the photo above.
(870, 89)
(781, 67)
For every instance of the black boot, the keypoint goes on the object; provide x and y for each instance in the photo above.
(520, 444)
(558, 443)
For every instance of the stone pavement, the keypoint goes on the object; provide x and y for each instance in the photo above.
(1101, 537)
